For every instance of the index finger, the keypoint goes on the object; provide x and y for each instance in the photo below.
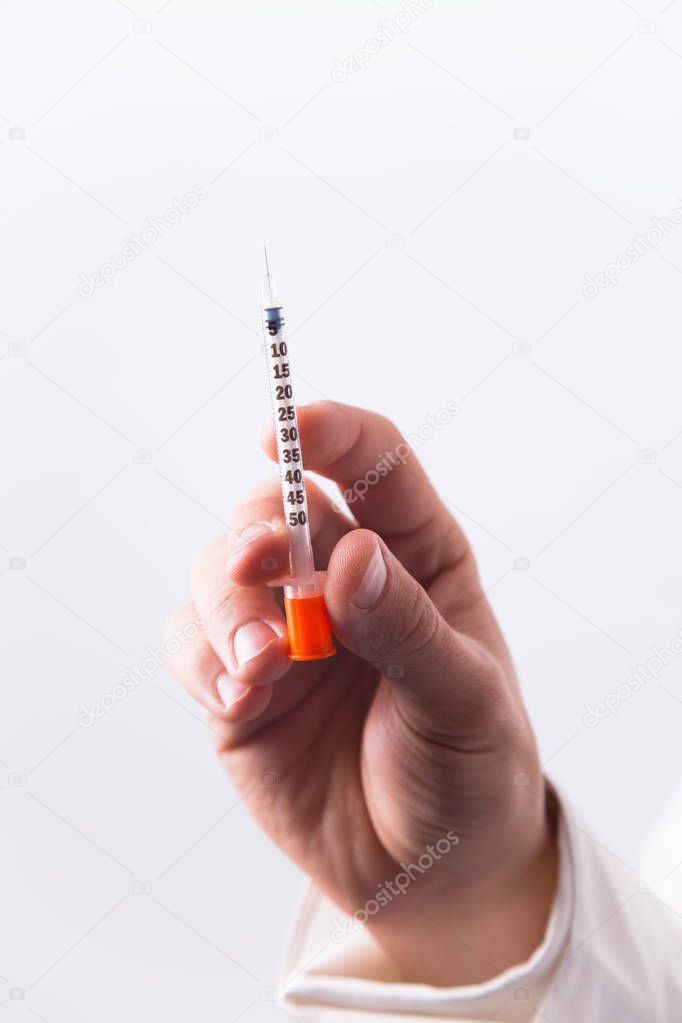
(379, 475)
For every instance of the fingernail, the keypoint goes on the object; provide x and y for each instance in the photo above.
(250, 533)
(250, 639)
(229, 690)
(373, 582)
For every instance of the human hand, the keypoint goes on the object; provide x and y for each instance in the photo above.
(413, 734)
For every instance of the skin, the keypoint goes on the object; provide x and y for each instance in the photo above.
(415, 730)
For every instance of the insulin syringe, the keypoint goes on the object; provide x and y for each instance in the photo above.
(308, 626)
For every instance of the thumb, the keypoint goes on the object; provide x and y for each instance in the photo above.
(444, 680)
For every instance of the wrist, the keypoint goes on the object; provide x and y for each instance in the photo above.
(467, 931)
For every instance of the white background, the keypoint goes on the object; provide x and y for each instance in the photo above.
(418, 236)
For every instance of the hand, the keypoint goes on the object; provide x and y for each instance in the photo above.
(410, 737)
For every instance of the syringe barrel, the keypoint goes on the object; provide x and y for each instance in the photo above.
(294, 499)
(308, 625)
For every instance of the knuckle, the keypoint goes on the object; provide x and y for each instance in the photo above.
(195, 658)
(488, 706)
(214, 552)
(412, 626)
(221, 606)
(389, 430)
(199, 661)
(263, 503)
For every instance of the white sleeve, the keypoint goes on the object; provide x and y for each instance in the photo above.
(612, 951)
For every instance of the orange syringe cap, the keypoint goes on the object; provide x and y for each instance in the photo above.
(309, 628)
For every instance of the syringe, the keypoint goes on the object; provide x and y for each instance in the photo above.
(308, 625)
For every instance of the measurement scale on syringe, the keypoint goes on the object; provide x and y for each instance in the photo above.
(308, 625)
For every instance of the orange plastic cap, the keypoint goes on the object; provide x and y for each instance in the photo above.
(309, 628)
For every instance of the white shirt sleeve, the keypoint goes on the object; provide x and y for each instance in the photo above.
(612, 951)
